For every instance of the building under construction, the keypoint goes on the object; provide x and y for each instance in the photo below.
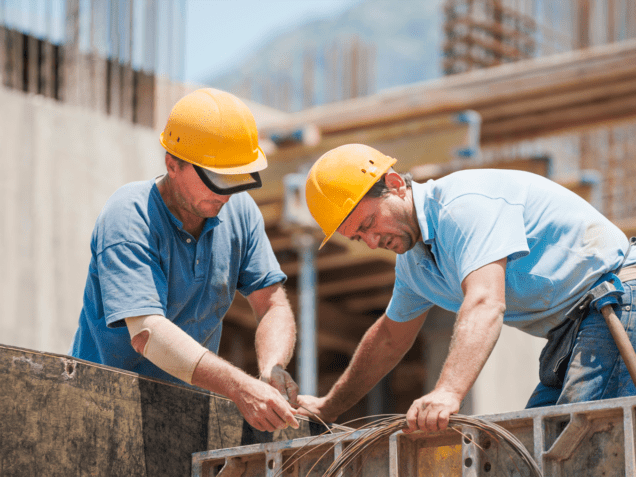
(569, 116)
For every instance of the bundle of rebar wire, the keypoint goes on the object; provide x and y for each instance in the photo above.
(382, 426)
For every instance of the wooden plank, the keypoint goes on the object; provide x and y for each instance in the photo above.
(362, 304)
(537, 165)
(47, 70)
(352, 285)
(144, 94)
(15, 59)
(69, 417)
(557, 100)
(550, 121)
(628, 226)
(33, 64)
(470, 90)
(72, 88)
(337, 330)
(3, 54)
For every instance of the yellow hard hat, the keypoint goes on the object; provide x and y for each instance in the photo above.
(216, 131)
(339, 180)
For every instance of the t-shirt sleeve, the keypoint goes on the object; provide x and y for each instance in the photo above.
(259, 267)
(406, 305)
(477, 230)
(131, 282)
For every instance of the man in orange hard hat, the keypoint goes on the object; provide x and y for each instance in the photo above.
(168, 255)
(493, 246)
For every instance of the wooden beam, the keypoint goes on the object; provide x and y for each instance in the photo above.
(333, 262)
(628, 226)
(470, 90)
(362, 304)
(349, 285)
(538, 165)
(532, 125)
(558, 100)
(337, 329)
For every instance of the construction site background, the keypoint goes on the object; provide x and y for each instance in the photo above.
(77, 124)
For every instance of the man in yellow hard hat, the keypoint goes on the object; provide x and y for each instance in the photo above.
(493, 246)
(168, 255)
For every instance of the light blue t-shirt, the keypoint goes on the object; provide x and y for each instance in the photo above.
(556, 243)
(144, 263)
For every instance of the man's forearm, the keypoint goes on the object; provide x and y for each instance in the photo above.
(375, 356)
(275, 339)
(475, 334)
(219, 376)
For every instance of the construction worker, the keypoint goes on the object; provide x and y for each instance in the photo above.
(493, 246)
(168, 255)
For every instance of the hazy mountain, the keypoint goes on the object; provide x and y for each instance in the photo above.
(404, 37)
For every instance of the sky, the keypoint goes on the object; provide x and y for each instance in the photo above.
(220, 33)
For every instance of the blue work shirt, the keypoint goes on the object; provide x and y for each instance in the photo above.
(556, 243)
(144, 263)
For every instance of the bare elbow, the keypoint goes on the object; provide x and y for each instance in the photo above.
(139, 341)
(497, 309)
(488, 306)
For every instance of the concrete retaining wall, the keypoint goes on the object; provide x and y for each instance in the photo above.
(59, 164)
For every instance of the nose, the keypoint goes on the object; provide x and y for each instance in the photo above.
(219, 198)
(372, 240)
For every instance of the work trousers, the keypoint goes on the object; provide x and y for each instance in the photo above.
(596, 369)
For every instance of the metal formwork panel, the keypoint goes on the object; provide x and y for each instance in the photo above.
(584, 439)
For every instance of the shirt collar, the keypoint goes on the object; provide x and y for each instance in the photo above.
(421, 196)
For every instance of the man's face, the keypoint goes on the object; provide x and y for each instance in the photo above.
(386, 222)
(193, 196)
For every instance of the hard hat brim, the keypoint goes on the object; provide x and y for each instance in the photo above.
(227, 184)
(259, 164)
(255, 166)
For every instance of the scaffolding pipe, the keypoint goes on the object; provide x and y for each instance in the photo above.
(307, 372)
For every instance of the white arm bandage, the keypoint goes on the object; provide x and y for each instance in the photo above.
(168, 346)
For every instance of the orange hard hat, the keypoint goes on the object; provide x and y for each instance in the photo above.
(215, 131)
(339, 180)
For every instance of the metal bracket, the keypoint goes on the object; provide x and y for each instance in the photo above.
(569, 439)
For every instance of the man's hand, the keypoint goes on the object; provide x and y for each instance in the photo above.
(264, 407)
(283, 382)
(312, 406)
(432, 411)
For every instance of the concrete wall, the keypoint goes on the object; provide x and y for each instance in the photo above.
(59, 164)
(510, 375)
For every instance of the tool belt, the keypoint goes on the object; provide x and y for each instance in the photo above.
(555, 356)
(627, 274)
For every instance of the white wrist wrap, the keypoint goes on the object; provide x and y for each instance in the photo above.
(168, 346)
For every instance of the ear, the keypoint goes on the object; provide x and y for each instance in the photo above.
(395, 183)
(171, 165)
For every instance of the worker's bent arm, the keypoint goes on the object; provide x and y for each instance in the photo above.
(381, 348)
(476, 331)
(275, 338)
(171, 349)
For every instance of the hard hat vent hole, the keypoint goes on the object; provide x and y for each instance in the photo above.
(178, 139)
(170, 133)
(371, 162)
(364, 171)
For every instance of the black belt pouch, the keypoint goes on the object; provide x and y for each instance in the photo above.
(555, 356)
